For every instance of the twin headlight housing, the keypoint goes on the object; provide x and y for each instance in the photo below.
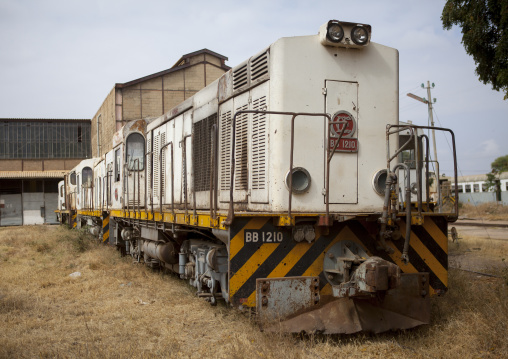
(344, 34)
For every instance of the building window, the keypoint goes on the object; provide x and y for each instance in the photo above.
(135, 152)
(39, 139)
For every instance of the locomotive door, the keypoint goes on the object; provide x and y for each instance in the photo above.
(342, 103)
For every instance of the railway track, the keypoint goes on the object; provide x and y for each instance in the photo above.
(480, 223)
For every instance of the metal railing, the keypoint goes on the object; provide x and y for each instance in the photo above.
(391, 212)
(330, 153)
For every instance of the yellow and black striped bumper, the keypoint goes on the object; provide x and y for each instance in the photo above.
(74, 219)
(105, 227)
(259, 249)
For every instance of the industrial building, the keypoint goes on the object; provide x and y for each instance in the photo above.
(35, 153)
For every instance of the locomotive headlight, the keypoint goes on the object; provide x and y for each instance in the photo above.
(300, 180)
(335, 32)
(359, 35)
(379, 182)
(344, 34)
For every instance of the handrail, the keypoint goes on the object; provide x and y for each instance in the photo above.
(125, 187)
(231, 211)
(183, 144)
(139, 187)
(398, 128)
(427, 187)
(172, 179)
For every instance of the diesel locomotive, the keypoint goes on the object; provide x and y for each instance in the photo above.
(287, 187)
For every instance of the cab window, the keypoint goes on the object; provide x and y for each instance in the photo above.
(135, 152)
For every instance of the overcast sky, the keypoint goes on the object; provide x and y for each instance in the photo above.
(60, 58)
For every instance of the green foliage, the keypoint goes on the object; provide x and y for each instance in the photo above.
(491, 180)
(499, 166)
(484, 26)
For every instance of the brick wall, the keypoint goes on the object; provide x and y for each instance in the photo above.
(39, 165)
(11, 165)
(107, 113)
(152, 98)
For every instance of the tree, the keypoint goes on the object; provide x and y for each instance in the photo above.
(499, 166)
(484, 26)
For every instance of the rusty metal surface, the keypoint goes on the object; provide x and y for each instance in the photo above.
(281, 297)
(404, 307)
(372, 276)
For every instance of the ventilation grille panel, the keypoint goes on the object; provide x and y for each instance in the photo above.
(201, 154)
(259, 145)
(259, 66)
(225, 154)
(156, 179)
(240, 77)
(149, 168)
(241, 150)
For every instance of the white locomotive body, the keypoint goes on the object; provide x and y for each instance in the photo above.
(296, 74)
(287, 185)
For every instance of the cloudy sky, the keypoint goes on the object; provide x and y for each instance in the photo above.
(60, 58)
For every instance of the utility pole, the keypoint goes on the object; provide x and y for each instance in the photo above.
(431, 120)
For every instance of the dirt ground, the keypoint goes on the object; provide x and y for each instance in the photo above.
(482, 249)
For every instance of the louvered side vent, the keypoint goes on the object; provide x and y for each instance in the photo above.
(240, 78)
(163, 167)
(225, 151)
(201, 153)
(156, 179)
(241, 150)
(259, 67)
(149, 170)
(259, 145)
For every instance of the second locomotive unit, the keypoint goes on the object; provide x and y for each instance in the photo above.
(287, 186)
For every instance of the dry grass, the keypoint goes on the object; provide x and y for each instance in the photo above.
(117, 309)
(488, 211)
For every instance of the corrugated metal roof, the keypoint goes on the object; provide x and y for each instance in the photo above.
(45, 119)
(32, 174)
